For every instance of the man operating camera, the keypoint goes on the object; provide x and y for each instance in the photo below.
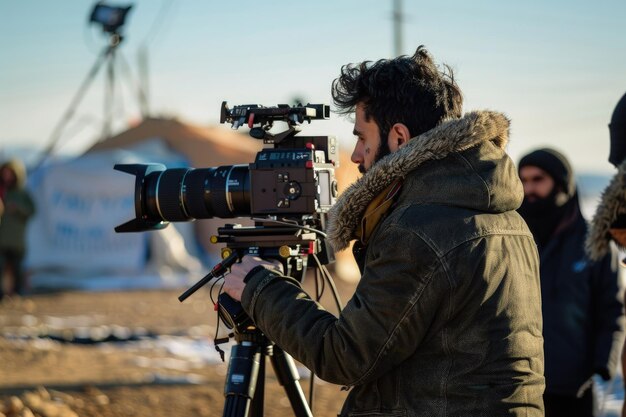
(446, 319)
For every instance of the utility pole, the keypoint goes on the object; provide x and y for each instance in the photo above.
(397, 27)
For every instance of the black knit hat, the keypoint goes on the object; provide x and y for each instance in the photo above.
(555, 164)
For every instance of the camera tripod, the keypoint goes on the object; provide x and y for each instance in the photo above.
(245, 383)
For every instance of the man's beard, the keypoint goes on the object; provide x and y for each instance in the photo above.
(382, 151)
(543, 215)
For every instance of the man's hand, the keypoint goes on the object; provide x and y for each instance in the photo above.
(233, 281)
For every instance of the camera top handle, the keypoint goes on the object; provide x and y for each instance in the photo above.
(260, 119)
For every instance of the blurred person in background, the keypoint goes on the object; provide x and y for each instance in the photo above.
(446, 319)
(18, 209)
(609, 221)
(581, 300)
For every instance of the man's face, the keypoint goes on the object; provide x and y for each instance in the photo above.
(538, 184)
(368, 143)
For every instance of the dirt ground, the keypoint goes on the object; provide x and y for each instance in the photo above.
(55, 359)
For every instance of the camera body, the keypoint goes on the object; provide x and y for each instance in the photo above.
(296, 180)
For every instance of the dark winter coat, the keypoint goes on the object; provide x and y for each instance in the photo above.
(446, 320)
(582, 311)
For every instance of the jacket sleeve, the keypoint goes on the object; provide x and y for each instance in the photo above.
(382, 324)
(608, 318)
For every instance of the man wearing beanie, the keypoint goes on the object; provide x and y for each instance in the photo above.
(581, 304)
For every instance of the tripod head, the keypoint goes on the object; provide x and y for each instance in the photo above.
(290, 244)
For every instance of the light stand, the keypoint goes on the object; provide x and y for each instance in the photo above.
(111, 19)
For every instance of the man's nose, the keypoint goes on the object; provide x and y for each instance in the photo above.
(356, 157)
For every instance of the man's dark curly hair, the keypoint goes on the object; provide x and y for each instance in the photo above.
(408, 90)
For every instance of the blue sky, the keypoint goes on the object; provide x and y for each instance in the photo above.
(556, 68)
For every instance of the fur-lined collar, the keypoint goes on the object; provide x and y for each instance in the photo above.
(612, 205)
(451, 136)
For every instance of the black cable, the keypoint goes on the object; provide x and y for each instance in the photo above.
(218, 341)
(322, 275)
(215, 281)
(319, 284)
(331, 283)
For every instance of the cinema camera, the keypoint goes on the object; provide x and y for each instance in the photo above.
(293, 177)
(287, 191)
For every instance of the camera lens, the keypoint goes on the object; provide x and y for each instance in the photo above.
(181, 194)
(217, 192)
(168, 200)
(197, 192)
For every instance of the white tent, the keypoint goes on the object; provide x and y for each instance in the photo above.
(71, 240)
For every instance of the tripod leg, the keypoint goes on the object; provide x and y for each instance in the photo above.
(258, 394)
(241, 381)
(69, 112)
(288, 377)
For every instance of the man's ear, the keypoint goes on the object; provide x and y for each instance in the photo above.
(398, 137)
